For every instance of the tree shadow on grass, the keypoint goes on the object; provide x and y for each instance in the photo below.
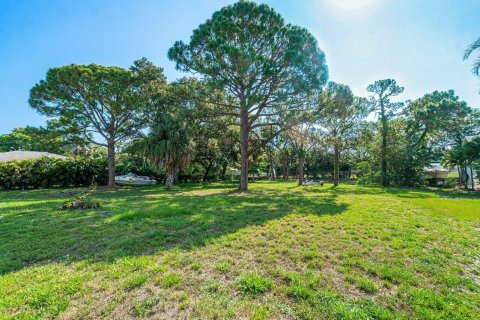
(141, 221)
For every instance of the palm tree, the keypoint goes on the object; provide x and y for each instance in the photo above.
(168, 146)
(475, 46)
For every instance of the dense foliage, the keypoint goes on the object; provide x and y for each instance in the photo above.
(112, 102)
(268, 68)
(258, 106)
(51, 138)
(49, 172)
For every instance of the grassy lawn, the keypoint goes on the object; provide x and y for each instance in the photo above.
(276, 252)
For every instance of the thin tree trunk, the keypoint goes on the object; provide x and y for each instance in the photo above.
(170, 177)
(272, 165)
(224, 170)
(472, 178)
(336, 165)
(286, 169)
(175, 173)
(111, 163)
(207, 171)
(244, 152)
(301, 161)
(385, 181)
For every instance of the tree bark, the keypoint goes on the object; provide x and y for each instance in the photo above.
(176, 169)
(336, 165)
(301, 161)
(385, 181)
(170, 177)
(244, 152)
(111, 163)
(286, 169)
(272, 166)
(207, 171)
(224, 171)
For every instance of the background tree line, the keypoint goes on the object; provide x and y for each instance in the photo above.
(257, 105)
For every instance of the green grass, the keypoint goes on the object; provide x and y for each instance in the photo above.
(145, 307)
(135, 281)
(207, 251)
(254, 284)
(169, 280)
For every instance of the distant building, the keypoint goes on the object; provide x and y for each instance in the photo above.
(27, 155)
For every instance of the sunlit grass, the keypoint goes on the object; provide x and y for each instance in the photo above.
(208, 251)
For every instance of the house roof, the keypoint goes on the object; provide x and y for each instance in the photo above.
(26, 155)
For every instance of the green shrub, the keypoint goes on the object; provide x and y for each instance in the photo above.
(72, 172)
(82, 202)
(49, 172)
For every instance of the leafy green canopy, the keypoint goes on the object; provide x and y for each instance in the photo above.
(108, 101)
(383, 91)
(168, 143)
(340, 110)
(474, 47)
(464, 154)
(267, 68)
(250, 50)
(439, 117)
(46, 139)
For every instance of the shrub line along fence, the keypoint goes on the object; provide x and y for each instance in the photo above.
(73, 172)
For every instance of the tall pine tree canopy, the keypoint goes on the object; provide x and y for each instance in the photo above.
(268, 66)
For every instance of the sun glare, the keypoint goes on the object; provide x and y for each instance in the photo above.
(352, 8)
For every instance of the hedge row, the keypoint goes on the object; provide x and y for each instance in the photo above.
(49, 172)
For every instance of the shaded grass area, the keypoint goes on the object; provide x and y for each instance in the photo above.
(207, 251)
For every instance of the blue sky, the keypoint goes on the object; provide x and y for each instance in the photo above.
(419, 43)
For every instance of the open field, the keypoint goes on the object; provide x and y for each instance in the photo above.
(276, 252)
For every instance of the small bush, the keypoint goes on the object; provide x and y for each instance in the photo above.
(71, 172)
(82, 203)
(254, 284)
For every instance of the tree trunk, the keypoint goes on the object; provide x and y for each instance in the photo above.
(272, 165)
(111, 163)
(336, 165)
(286, 170)
(224, 171)
(207, 171)
(176, 169)
(301, 161)
(472, 178)
(170, 177)
(244, 152)
(385, 181)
